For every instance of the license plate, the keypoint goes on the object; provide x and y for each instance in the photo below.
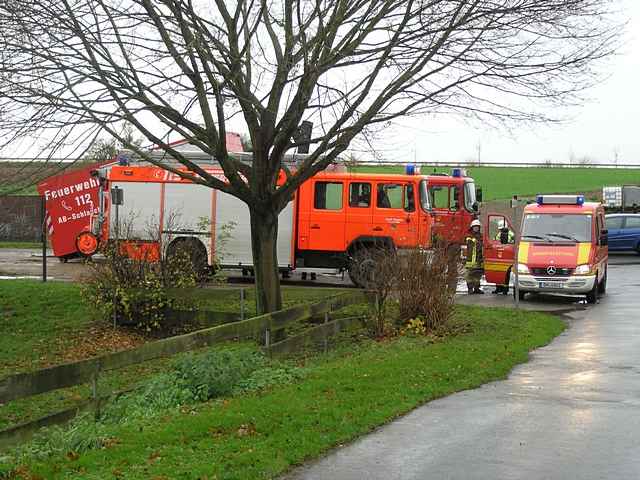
(550, 284)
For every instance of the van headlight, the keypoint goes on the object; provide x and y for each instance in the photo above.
(522, 268)
(582, 270)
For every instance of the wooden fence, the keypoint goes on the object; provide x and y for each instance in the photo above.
(25, 385)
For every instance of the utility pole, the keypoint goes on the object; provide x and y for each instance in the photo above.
(516, 284)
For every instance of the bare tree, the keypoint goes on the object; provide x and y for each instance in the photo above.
(73, 68)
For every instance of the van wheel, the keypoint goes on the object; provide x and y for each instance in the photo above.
(361, 267)
(592, 296)
(521, 294)
(602, 286)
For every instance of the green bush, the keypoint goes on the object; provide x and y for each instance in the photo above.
(137, 290)
(215, 373)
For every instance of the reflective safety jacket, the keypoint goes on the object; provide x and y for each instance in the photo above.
(474, 253)
(510, 237)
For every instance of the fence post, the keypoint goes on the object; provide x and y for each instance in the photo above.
(326, 336)
(242, 304)
(267, 340)
(94, 394)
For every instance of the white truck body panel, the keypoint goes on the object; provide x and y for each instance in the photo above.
(236, 249)
(187, 210)
(139, 215)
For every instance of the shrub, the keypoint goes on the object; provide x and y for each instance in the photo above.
(216, 373)
(135, 290)
(426, 285)
(423, 282)
(379, 271)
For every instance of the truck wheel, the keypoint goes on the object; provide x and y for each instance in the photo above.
(194, 250)
(361, 268)
(592, 296)
(521, 295)
(602, 286)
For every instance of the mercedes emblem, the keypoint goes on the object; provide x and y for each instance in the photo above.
(551, 271)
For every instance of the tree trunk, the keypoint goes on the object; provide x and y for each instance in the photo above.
(264, 237)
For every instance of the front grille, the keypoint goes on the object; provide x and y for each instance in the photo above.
(560, 272)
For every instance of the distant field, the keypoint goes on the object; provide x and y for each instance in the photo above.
(503, 182)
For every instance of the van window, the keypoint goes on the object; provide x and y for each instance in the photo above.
(360, 195)
(632, 222)
(328, 196)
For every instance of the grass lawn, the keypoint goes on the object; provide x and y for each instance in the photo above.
(341, 396)
(227, 299)
(44, 324)
(503, 182)
(29, 245)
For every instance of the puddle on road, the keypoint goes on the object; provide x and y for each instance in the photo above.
(28, 277)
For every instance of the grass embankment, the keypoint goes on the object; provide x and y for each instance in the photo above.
(23, 245)
(45, 324)
(340, 396)
(503, 182)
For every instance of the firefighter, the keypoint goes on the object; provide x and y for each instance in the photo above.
(474, 258)
(505, 236)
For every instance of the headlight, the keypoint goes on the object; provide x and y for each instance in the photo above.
(582, 270)
(522, 268)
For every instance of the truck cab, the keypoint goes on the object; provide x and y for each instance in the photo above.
(563, 247)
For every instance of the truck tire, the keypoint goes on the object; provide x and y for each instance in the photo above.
(592, 296)
(602, 286)
(195, 251)
(361, 267)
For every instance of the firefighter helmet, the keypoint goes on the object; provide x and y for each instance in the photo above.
(475, 223)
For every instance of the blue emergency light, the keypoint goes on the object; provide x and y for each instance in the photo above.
(412, 169)
(456, 173)
(560, 200)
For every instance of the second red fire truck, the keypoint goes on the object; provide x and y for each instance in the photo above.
(334, 216)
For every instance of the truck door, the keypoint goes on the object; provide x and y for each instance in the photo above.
(395, 213)
(446, 210)
(359, 218)
(327, 217)
(499, 249)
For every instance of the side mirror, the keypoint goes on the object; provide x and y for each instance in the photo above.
(475, 207)
(479, 194)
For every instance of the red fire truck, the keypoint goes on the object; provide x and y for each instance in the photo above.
(71, 199)
(333, 216)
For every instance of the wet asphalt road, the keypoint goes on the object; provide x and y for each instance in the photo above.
(573, 411)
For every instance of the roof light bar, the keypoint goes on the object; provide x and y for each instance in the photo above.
(458, 172)
(560, 199)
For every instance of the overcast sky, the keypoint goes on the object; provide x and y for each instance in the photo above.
(604, 128)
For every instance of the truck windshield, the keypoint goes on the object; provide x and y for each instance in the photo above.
(557, 227)
(424, 197)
